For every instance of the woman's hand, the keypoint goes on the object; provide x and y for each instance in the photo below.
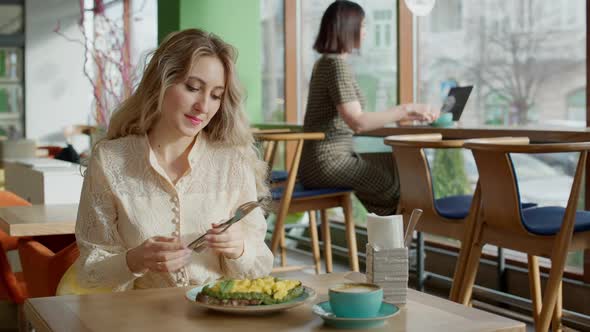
(420, 112)
(158, 254)
(229, 243)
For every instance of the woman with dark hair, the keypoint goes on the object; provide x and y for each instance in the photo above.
(335, 107)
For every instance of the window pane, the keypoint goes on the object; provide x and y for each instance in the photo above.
(273, 60)
(527, 62)
(526, 59)
(11, 92)
(11, 19)
(375, 66)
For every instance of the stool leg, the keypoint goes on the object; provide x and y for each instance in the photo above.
(557, 312)
(315, 242)
(283, 245)
(420, 273)
(470, 273)
(326, 236)
(535, 286)
(350, 233)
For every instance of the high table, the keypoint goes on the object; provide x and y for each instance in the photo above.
(535, 133)
(168, 310)
(38, 220)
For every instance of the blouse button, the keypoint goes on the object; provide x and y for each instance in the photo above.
(175, 209)
(175, 233)
(175, 221)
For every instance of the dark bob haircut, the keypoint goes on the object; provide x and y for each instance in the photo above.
(340, 30)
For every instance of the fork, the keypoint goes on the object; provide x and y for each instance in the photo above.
(241, 212)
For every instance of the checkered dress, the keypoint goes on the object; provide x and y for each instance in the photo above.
(332, 163)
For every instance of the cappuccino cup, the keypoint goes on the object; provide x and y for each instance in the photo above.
(355, 300)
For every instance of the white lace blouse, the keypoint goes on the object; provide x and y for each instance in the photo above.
(127, 198)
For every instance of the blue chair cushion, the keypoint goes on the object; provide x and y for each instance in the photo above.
(300, 191)
(547, 220)
(278, 176)
(457, 207)
(453, 207)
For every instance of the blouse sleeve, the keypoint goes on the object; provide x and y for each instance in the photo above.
(257, 259)
(102, 261)
(340, 82)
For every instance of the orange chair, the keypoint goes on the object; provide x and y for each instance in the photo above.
(12, 285)
(45, 261)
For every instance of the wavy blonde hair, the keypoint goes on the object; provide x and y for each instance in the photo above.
(170, 64)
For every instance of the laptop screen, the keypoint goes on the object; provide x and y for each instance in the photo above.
(456, 100)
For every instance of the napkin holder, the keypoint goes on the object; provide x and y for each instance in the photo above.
(388, 268)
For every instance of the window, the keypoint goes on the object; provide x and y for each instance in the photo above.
(11, 19)
(11, 70)
(273, 64)
(383, 25)
(375, 67)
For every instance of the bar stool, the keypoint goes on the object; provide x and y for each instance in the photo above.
(446, 216)
(539, 231)
(292, 197)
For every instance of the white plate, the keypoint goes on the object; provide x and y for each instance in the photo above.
(307, 295)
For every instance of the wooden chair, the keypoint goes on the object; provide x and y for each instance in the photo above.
(45, 261)
(446, 216)
(540, 231)
(292, 197)
(12, 285)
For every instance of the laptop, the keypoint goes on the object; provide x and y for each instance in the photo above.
(456, 100)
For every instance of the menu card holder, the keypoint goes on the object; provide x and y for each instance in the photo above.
(388, 268)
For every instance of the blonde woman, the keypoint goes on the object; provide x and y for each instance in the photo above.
(178, 157)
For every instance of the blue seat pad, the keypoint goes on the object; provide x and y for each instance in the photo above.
(278, 176)
(547, 220)
(457, 207)
(300, 191)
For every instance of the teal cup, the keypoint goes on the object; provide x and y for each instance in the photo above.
(444, 120)
(355, 300)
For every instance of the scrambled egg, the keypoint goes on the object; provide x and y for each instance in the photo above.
(278, 289)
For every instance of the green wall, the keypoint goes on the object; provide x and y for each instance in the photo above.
(236, 22)
(168, 17)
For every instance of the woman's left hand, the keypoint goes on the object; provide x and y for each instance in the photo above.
(229, 243)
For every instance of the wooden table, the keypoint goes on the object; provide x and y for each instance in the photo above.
(38, 220)
(535, 133)
(168, 310)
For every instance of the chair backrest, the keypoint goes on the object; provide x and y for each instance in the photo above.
(499, 186)
(9, 284)
(299, 139)
(269, 147)
(414, 173)
(45, 263)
